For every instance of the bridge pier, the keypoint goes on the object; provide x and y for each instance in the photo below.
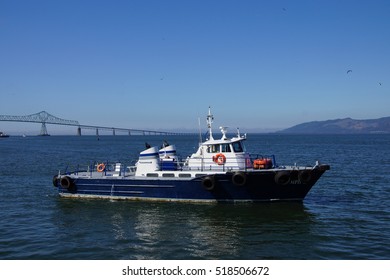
(97, 132)
(43, 130)
(113, 132)
(79, 131)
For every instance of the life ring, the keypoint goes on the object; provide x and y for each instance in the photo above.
(101, 167)
(282, 178)
(239, 178)
(219, 159)
(208, 183)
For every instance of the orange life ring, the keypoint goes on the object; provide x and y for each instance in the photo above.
(219, 159)
(100, 167)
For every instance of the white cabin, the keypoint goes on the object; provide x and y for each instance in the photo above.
(223, 154)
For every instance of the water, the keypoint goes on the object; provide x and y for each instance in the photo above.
(345, 216)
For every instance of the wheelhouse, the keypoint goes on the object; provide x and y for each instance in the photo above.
(231, 147)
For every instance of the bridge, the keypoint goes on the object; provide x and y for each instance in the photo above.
(46, 118)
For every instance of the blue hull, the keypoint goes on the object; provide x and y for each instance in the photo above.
(227, 187)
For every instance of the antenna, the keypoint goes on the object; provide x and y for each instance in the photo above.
(210, 119)
(200, 132)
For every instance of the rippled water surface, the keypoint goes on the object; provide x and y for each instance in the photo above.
(345, 216)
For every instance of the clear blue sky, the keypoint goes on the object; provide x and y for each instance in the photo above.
(159, 64)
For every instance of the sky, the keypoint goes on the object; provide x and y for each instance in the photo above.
(148, 64)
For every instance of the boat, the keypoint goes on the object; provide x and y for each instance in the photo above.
(221, 170)
(3, 135)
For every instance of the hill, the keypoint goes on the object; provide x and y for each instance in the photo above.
(342, 126)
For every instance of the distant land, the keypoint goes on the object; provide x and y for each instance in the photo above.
(341, 126)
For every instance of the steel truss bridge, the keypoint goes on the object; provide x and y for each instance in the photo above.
(46, 118)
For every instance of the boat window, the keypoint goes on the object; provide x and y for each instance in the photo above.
(243, 146)
(152, 175)
(213, 148)
(185, 175)
(237, 147)
(225, 148)
(168, 175)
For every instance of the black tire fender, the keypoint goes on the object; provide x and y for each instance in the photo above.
(305, 176)
(208, 183)
(66, 182)
(282, 178)
(55, 181)
(239, 178)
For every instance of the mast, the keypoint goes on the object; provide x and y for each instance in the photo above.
(210, 119)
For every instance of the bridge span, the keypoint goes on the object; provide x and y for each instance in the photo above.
(45, 118)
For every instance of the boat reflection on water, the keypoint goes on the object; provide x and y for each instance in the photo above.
(159, 231)
(103, 229)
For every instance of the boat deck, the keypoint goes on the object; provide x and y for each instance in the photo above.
(184, 173)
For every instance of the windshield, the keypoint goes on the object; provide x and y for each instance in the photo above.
(238, 147)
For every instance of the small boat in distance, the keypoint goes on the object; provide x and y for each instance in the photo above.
(3, 135)
(221, 170)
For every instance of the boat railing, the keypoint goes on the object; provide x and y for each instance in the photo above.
(106, 168)
(229, 163)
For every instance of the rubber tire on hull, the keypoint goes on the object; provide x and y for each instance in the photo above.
(55, 181)
(66, 182)
(208, 183)
(305, 176)
(282, 178)
(239, 178)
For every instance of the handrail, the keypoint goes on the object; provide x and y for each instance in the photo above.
(205, 164)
